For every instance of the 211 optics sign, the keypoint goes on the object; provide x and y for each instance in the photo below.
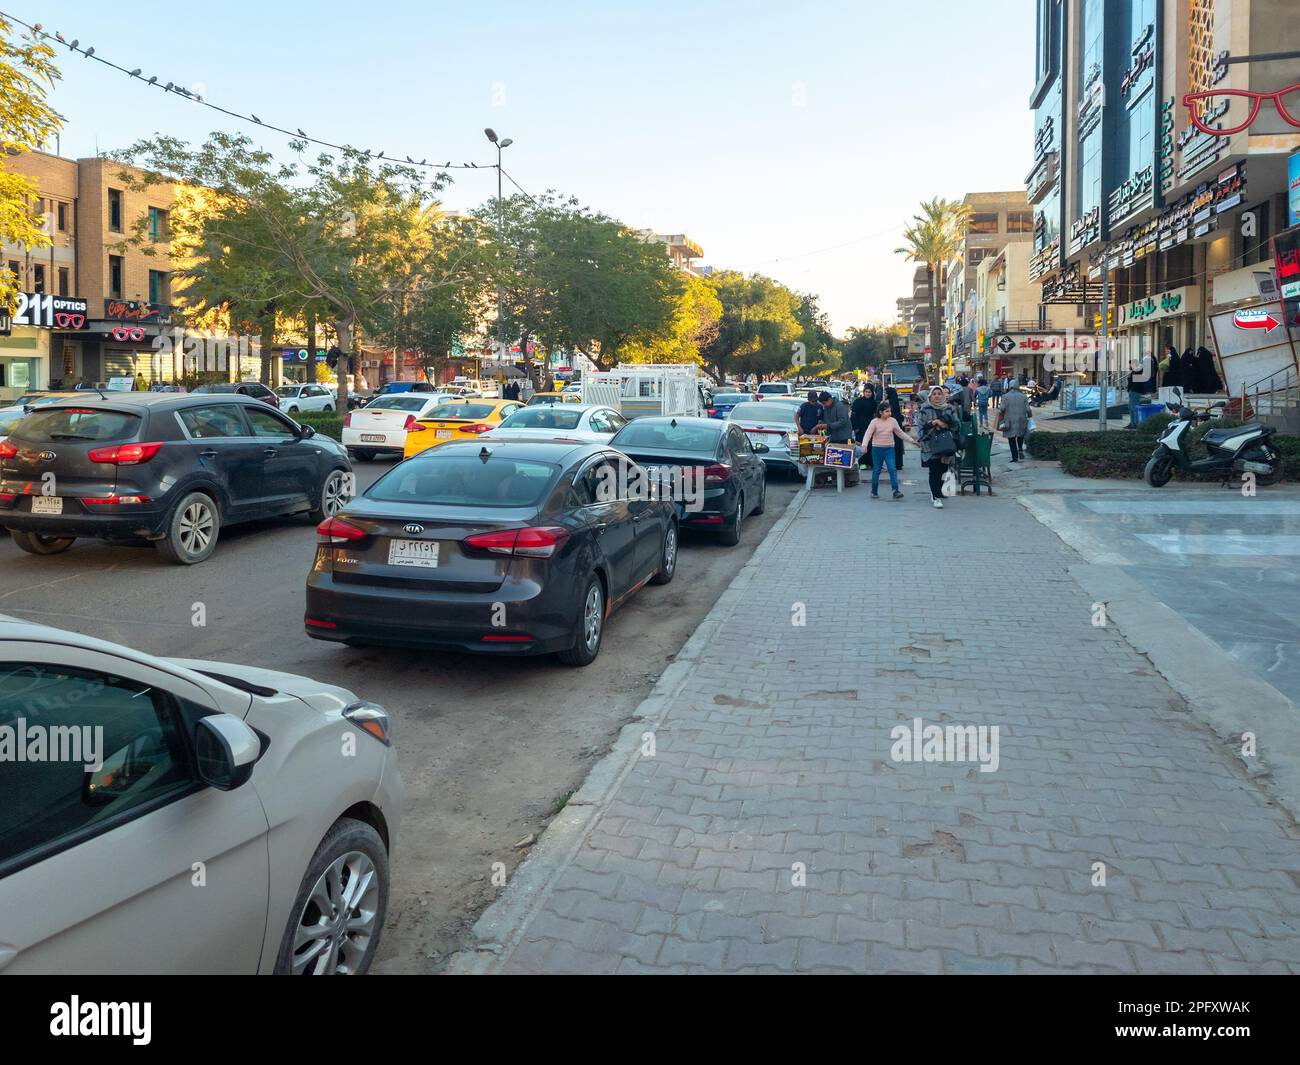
(45, 311)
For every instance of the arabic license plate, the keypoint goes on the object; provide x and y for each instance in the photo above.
(47, 505)
(443, 434)
(413, 553)
(372, 438)
(757, 438)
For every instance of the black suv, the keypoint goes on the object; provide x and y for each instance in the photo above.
(255, 389)
(172, 469)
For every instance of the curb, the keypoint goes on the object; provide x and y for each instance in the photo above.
(500, 927)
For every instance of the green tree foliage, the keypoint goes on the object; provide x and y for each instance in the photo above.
(694, 324)
(758, 328)
(934, 237)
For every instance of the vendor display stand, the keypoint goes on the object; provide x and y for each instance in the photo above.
(816, 455)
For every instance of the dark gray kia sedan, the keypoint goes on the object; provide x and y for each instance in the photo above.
(508, 547)
(167, 468)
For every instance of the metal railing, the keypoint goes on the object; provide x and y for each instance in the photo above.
(1274, 394)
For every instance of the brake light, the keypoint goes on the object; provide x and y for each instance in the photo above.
(539, 542)
(7, 450)
(478, 427)
(116, 501)
(716, 474)
(8, 497)
(713, 411)
(125, 454)
(338, 531)
(412, 426)
(347, 420)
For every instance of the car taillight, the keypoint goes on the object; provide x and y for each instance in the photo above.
(412, 426)
(347, 420)
(538, 542)
(478, 427)
(7, 450)
(338, 531)
(716, 474)
(125, 454)
(116, 501)
(713, 411)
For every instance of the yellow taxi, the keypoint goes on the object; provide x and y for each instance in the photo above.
(539, 398)
(460, 419)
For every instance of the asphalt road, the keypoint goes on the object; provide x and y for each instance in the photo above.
(489, 749)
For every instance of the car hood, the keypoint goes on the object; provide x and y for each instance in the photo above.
(320, 696)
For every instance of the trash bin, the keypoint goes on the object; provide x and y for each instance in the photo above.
(976, 469)
(1146, 410)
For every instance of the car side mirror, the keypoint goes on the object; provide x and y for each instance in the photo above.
(760, 449)
(226, 750)
(304, 432)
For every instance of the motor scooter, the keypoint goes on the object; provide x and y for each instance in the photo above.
(1230, 452)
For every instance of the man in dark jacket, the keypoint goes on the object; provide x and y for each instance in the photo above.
(839, 423)
(810, 413)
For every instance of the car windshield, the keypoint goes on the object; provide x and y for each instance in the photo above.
(465, 481)
(287, 390)
(396, 403)
(467, 411)
(684, 436)
(74, 423)
(9, 417)
(733, 397)
(543, 418)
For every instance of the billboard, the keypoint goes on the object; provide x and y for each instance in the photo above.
(1293, 189)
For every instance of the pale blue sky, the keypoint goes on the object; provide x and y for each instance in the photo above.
(766, 131)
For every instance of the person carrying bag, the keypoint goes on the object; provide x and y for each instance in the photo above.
(937, 426)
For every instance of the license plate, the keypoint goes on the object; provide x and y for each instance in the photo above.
(443, 434)
(372, 438)
(47, 505)
(413, 553)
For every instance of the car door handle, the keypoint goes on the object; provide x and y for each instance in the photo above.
(600, 527)
(269, 452)
(211, 453)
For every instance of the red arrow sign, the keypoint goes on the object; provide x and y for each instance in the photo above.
(1255, 320)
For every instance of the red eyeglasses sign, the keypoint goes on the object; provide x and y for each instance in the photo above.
(123, 332)
(1206, 107)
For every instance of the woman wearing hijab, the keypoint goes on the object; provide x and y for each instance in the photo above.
(936, 417)
(1207, 374)
(1173, 377)
(861, 413)
(1187, 364)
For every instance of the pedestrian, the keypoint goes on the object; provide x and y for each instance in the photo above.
(810, 413)
(896, 407)
(882, 433)
(1141, 380)
(1187, 364)
(141, 385)
(982, 394)
(1207, 375)
(1013, 420)
(995, 392)
(938, 436)
(861, 413)
(1173, 377)
(839, 423)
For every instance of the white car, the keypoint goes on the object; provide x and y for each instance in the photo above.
(554, 421)
(380, 427)
(187, 816)
(771, 422)
(775, 388)
(294, 398)
(10, 416)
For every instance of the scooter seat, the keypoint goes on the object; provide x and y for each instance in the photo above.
(1222, 436)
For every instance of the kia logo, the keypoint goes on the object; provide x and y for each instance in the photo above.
(48, 456)
(413, 529)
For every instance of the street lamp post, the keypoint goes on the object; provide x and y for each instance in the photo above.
(500, 144)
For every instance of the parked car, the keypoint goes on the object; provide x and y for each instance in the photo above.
(538, 398)
(734, 477)
(502, 547)
(9, 417)
(41, 399)
(294, 398)
(253, 389)
(587, 423)
(457, 419)
(171, 469)
(771, 423)
(380, 427)
(207, 767)
(723, 402)
(776, 388)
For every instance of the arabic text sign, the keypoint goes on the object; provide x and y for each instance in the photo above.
(1256, 319)
(1176, 301)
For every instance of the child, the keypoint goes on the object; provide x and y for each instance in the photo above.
(880, 436)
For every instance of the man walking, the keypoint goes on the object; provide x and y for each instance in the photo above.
(1013, 419)
(1141, 380)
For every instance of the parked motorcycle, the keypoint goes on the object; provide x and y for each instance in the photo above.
(1236, 451)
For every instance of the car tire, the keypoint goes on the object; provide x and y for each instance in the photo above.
(731, 536)
(667, 555)
(328, 408)
(362, 454)
(292, 410)
(331, 498)
(192, 530)
(356, 854)
(40, 544)
(762, 496)
(591, 625)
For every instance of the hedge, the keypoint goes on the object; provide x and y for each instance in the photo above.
(327, 423)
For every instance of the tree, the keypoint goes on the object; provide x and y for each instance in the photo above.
(820, 355)
(758, 326)
(934, 237)
(27, 122)
(866, 346)
(692, 326)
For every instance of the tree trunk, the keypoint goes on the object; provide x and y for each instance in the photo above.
(935, 321)
(268, 344)
(347, 331)
(311, 347)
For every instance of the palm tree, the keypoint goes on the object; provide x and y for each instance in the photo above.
(934, 237)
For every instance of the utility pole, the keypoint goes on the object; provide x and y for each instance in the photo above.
(1103, 359)
(501, 341)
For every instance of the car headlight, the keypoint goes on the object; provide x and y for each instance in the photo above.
(371, 718)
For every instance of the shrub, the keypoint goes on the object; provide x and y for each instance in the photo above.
(326, 423)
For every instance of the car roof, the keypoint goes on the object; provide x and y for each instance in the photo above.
(129, 401)
(513, 448)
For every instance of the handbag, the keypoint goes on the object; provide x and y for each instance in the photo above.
(950, 484)
(943, 442)
(1031, 426)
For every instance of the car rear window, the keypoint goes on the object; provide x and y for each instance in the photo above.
(764, 412)
(733, 397)
(543, 418)
(684, 436)
(396, 403)
(287, 390)
(74, 423)
(468, 411)
(210, 389)
(9, 418)
(465, 481)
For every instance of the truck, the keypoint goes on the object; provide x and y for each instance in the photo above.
(901, 374)
(638, 389)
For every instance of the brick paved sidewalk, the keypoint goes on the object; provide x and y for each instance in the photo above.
(776, 753)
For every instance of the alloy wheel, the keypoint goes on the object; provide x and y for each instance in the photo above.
(196, 527)
(592, 618)
(333, 496)
(338, 921)
(670, 549)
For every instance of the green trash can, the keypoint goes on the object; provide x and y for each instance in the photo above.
(976, 470)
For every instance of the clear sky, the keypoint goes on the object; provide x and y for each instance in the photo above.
(784, 137)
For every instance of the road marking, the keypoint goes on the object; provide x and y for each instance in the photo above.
(1171, 507)
(1238, 544)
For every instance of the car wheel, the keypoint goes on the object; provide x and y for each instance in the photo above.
(40, 544)
(362, 454)
(667, 556)
(591, 626)
(762, 496)
(337, 918)
(293, 410)
(328, 408)
(333, 496)
(192, 531)
(731, 536)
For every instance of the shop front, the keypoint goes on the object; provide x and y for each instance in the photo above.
(1153, 324)
(24, 362)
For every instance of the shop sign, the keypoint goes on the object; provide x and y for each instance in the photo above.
(1286, 253)
(1144, 58)
(134, 311)
(1154, 308)
(1011, 344)
(839, 456)
(1293, 188)
(1255, 319)
(42, 310)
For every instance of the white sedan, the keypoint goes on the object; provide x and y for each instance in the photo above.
(216, 818)
(554, 421)
(380, 427)
(294, 398)
(771, 422)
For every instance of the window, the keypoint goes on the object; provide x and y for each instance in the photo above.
(464, 480)
(110, 746)
(203, 423)
(158, 229)
(43, 427)
(115, 276)
(64, 285)
(62, 217)
(115, 210)
(38, 278)
(1020, 222)
(265, 423)
(159, 290)
(984, 223)
(16, 268)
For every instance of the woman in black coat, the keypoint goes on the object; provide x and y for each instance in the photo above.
(861, 413)
(1174, 371)
(1188, 367)
(1207, 375)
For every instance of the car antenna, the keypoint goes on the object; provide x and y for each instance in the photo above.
(484, 454)
(673, 423)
